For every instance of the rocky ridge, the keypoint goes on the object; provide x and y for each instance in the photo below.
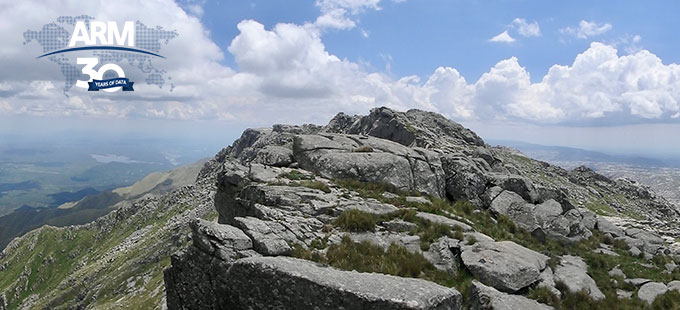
(427, 195)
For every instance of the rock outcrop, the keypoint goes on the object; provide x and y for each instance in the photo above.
(289, 283)
(483, 297)
(284, 191)
(504, 265)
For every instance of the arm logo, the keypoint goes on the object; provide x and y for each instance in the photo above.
(112, 44)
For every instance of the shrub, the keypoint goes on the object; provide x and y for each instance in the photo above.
(366, 257)
(668, 301)
(544, 295)
(620, 244)
(316, 185)
(431, 232)
(356, 221)
(296, 175)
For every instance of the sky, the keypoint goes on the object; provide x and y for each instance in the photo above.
(600, 75)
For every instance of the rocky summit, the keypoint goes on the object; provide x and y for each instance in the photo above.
(392, 210)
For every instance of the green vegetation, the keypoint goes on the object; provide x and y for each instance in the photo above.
(70, 267)
(296, 175)
(355, 221)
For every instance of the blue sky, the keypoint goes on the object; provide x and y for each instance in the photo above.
(576, 73)
(423, 35)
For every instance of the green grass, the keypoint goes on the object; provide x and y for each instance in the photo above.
(296, 175)
(356, 221)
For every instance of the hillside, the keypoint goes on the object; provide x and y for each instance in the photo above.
(407, 199)
(93, 206)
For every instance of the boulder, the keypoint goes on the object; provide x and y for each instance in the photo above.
(265, 239)
(464, 180)
(197, 275)
(649, 291)
(504, 201)
(607, 227)
(572, 271)
(617, 272)
(383, 161)
(483, 297)
(674, 285)
(222, 241)
(504, 265)
(398, 225)
(547, 280)
(444, 255)
(651, 242)
(516, 183)
(289, 283)
(434, 218)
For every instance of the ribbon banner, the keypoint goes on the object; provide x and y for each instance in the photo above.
(125, 83)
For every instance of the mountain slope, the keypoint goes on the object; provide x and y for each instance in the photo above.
(409, 194)
(116, 260)
(94, 206)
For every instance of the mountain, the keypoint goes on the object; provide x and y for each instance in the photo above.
(89, 208)
(391, 210)
(572, 156)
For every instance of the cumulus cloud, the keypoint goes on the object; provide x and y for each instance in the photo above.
(525, 28)
(339, 14)
(587, 29)
(285, 74)
(503, 37)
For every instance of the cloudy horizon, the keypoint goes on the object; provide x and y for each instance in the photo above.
(589, 79)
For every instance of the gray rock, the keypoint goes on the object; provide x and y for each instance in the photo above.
(389, 195)
(670, 266)
(333, 157)
(651, 242)
(504, 201)
(649, 291)
(222, 241)
(444, 255)
(419, 199)
(617, 272)
(606, 252)
(274, 155)
(621, 294)
(266, 242)
(434, 218)
(464, 180)
(605, 226)
(289, 283)
(372, 207)
(489, 195)
(517, 184)
(674, 285)
(634, 251)
(399, 225)
(572, 271)
(384, 239)
(637, 281)
(547, 280)
(483, 297)
(480, 237)
(504, 265)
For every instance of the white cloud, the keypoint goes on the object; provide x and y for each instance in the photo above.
(286, 75)
(503, 37)
(525, 28)
(587, 29)
(339, 14)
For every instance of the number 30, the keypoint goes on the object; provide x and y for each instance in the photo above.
(97, 75)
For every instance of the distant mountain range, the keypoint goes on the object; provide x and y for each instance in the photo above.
(555, 154)
(86, 205)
